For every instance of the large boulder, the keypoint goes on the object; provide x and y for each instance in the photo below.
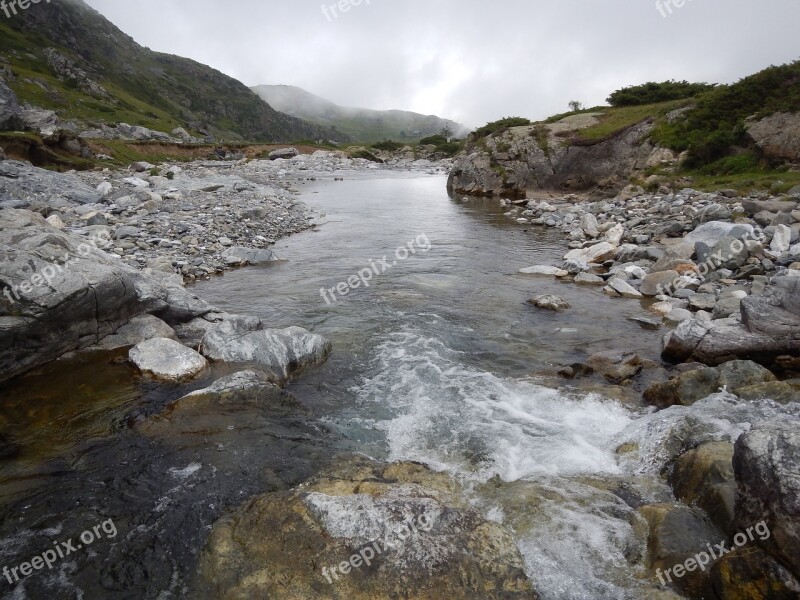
(777, 136)
(283, 153)
(751, 574)
(164, 359)
(60, 292)
(767, 467)
(365, 530)
(769, 329)
(247, 340)
(47, 189)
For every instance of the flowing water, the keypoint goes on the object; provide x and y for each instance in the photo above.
(439, 360)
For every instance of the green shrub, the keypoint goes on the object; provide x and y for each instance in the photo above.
(388, 146)
(501, 125)
(653, 93)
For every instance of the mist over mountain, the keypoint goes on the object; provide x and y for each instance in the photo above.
(361, 124)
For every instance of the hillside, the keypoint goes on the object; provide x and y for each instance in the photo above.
(67, 57)
(361, 124)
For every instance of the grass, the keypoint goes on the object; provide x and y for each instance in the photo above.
(616, 120)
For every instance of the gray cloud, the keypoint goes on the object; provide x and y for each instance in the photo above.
(463, 59)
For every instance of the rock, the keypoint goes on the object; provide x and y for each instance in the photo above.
(550, 302)
(589, 279)
(285, 153)
(8, 450)
(704, 477)
(752, 207)
(248, 256)
(10, 113)
(593, 254)
(614, 367)
(767, 466)
(655, 283)
(777, 391)
(589, 225)
(141, 167)
(630, 192)
(363, 531)
(678, 315)
(675, 534)
(662, 309)
(48, 188)
(750, 574)
(623, 288)
(777, 136)
(246, 340)
(614, 235)
(140, 329)
(781, 240)
(105, 188)
(55, 221)
(167, 360)
(645, 323)
(770, 327)
(713, 232)
(703, 301)
(687, 388)
(544, 270)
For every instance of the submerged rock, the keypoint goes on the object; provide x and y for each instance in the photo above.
(550, 302)
(167, 360)
(366, 530)
(246, 340)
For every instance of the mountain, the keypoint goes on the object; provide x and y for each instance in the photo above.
(67, 57)
(363, 125)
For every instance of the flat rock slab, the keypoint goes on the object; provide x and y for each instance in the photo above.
(167, 360)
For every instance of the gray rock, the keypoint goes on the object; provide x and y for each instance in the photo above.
(140, 329)
(246, 340)
(549, 302)
(10, 113)
(285, 153)
(767, 466)
(167, 360)
(654, 283)
(623, 288)
(589, 279)
(250, 256)
(51, 189)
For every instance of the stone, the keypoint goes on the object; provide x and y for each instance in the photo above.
(550, 302)
(589, 225)
(284, 153)
(678, 315)
(248, 256)
(654, 283)
(10, 113)
(662, 309)
(593, 254)
(544, 270)
(139, 329)
(777, 136)
(703, 301)
(589, 279)
(614, 235)
(433, 537)
(246, 340)
(767, 466)
(713, 232)
(623, 288)
(751, 574)
(676, 533)
(704, 477)
(167, 360)
(781, 240)
(777, 391)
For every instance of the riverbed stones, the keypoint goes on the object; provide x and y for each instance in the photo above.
(589, 279)
(550, 302)
(592, 254)
(544, 270)
(767, 466)
(655, 283)
(622, 288)
(164, 359)
(427, 536)
(247, 340)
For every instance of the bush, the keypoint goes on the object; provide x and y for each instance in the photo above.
(388, 146)
(653, 93)
(434, 140)
(500, 125)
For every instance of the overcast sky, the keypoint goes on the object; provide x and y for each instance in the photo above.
(468, 60)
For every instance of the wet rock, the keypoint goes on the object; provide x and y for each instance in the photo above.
(767, 466)
(167, 360)
(614, 367)
(248, 256)
(550, 302)
(589, 279)
(8, 450)
(10, 113)
(677, 534)
(751, 574)
(246, 340)
(140, 329)
(778, 391)
(654, 283)
(687, 388)
(544, 270)
(426, 536)
(48, 188)
(704, 477)
(645, 323)
(623, 288)
(593, 254)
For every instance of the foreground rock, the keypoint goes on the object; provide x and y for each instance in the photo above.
(364, 531)
(550, 302)
(62, 293)
(167, 360)
(246, 340)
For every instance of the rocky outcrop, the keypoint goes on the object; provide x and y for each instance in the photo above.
(10, 113)
(43, 190)
(777, 137)
(365, 530)
(767, 467)
(164, 359)
(523, 160)
(61, 293)
(768, 330)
